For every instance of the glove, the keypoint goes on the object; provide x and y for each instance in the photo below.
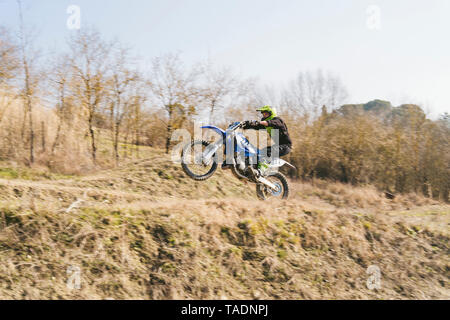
(250, 123)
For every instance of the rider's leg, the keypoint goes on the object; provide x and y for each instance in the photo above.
(284, 149)
(267, 153)
(264, 158)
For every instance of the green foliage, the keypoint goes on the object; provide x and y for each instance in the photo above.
(378, 106)
(29, 174)
(8, 173)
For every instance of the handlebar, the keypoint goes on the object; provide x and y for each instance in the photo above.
(236, 125)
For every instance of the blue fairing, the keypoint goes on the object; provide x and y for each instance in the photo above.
(218, 130)
(242, 144)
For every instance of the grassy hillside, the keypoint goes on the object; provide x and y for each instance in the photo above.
(146, 231)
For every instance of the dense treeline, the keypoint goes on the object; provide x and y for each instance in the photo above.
(95, 103)
(396, 148)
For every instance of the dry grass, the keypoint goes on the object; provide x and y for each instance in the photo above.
(145, 231)
(343, 195)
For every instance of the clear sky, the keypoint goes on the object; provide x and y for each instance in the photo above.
(403, 57)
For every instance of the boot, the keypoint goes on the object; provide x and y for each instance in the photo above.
(262, 167)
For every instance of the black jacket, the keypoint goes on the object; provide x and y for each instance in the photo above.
(275, 123)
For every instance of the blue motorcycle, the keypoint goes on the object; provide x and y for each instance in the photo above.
(199, 160)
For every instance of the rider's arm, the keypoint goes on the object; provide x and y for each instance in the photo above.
(253, 125)
(276, 123)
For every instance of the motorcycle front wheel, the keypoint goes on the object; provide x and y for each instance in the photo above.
(192, 163)
(279, 180)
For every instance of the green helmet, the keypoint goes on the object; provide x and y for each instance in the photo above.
(269, 109)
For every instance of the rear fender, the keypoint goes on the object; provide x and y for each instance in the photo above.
(277, 163)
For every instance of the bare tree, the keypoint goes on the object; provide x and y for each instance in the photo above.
(123, 96)
(174, 88)
(136, 113)
(30, 80)
(9, 64)
(309, 92)
(9, 56)
(89, 62)
(242, 100)
(60, 79)
(219, 88)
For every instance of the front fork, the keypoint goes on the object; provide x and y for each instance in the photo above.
(228, 140)
(207, 156)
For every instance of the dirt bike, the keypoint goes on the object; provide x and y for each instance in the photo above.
(240, 155)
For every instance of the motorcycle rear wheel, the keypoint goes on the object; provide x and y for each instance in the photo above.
(264, 193)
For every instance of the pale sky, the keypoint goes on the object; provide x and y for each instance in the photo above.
(406, 59)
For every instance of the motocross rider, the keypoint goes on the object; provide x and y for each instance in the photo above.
(269, 122)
